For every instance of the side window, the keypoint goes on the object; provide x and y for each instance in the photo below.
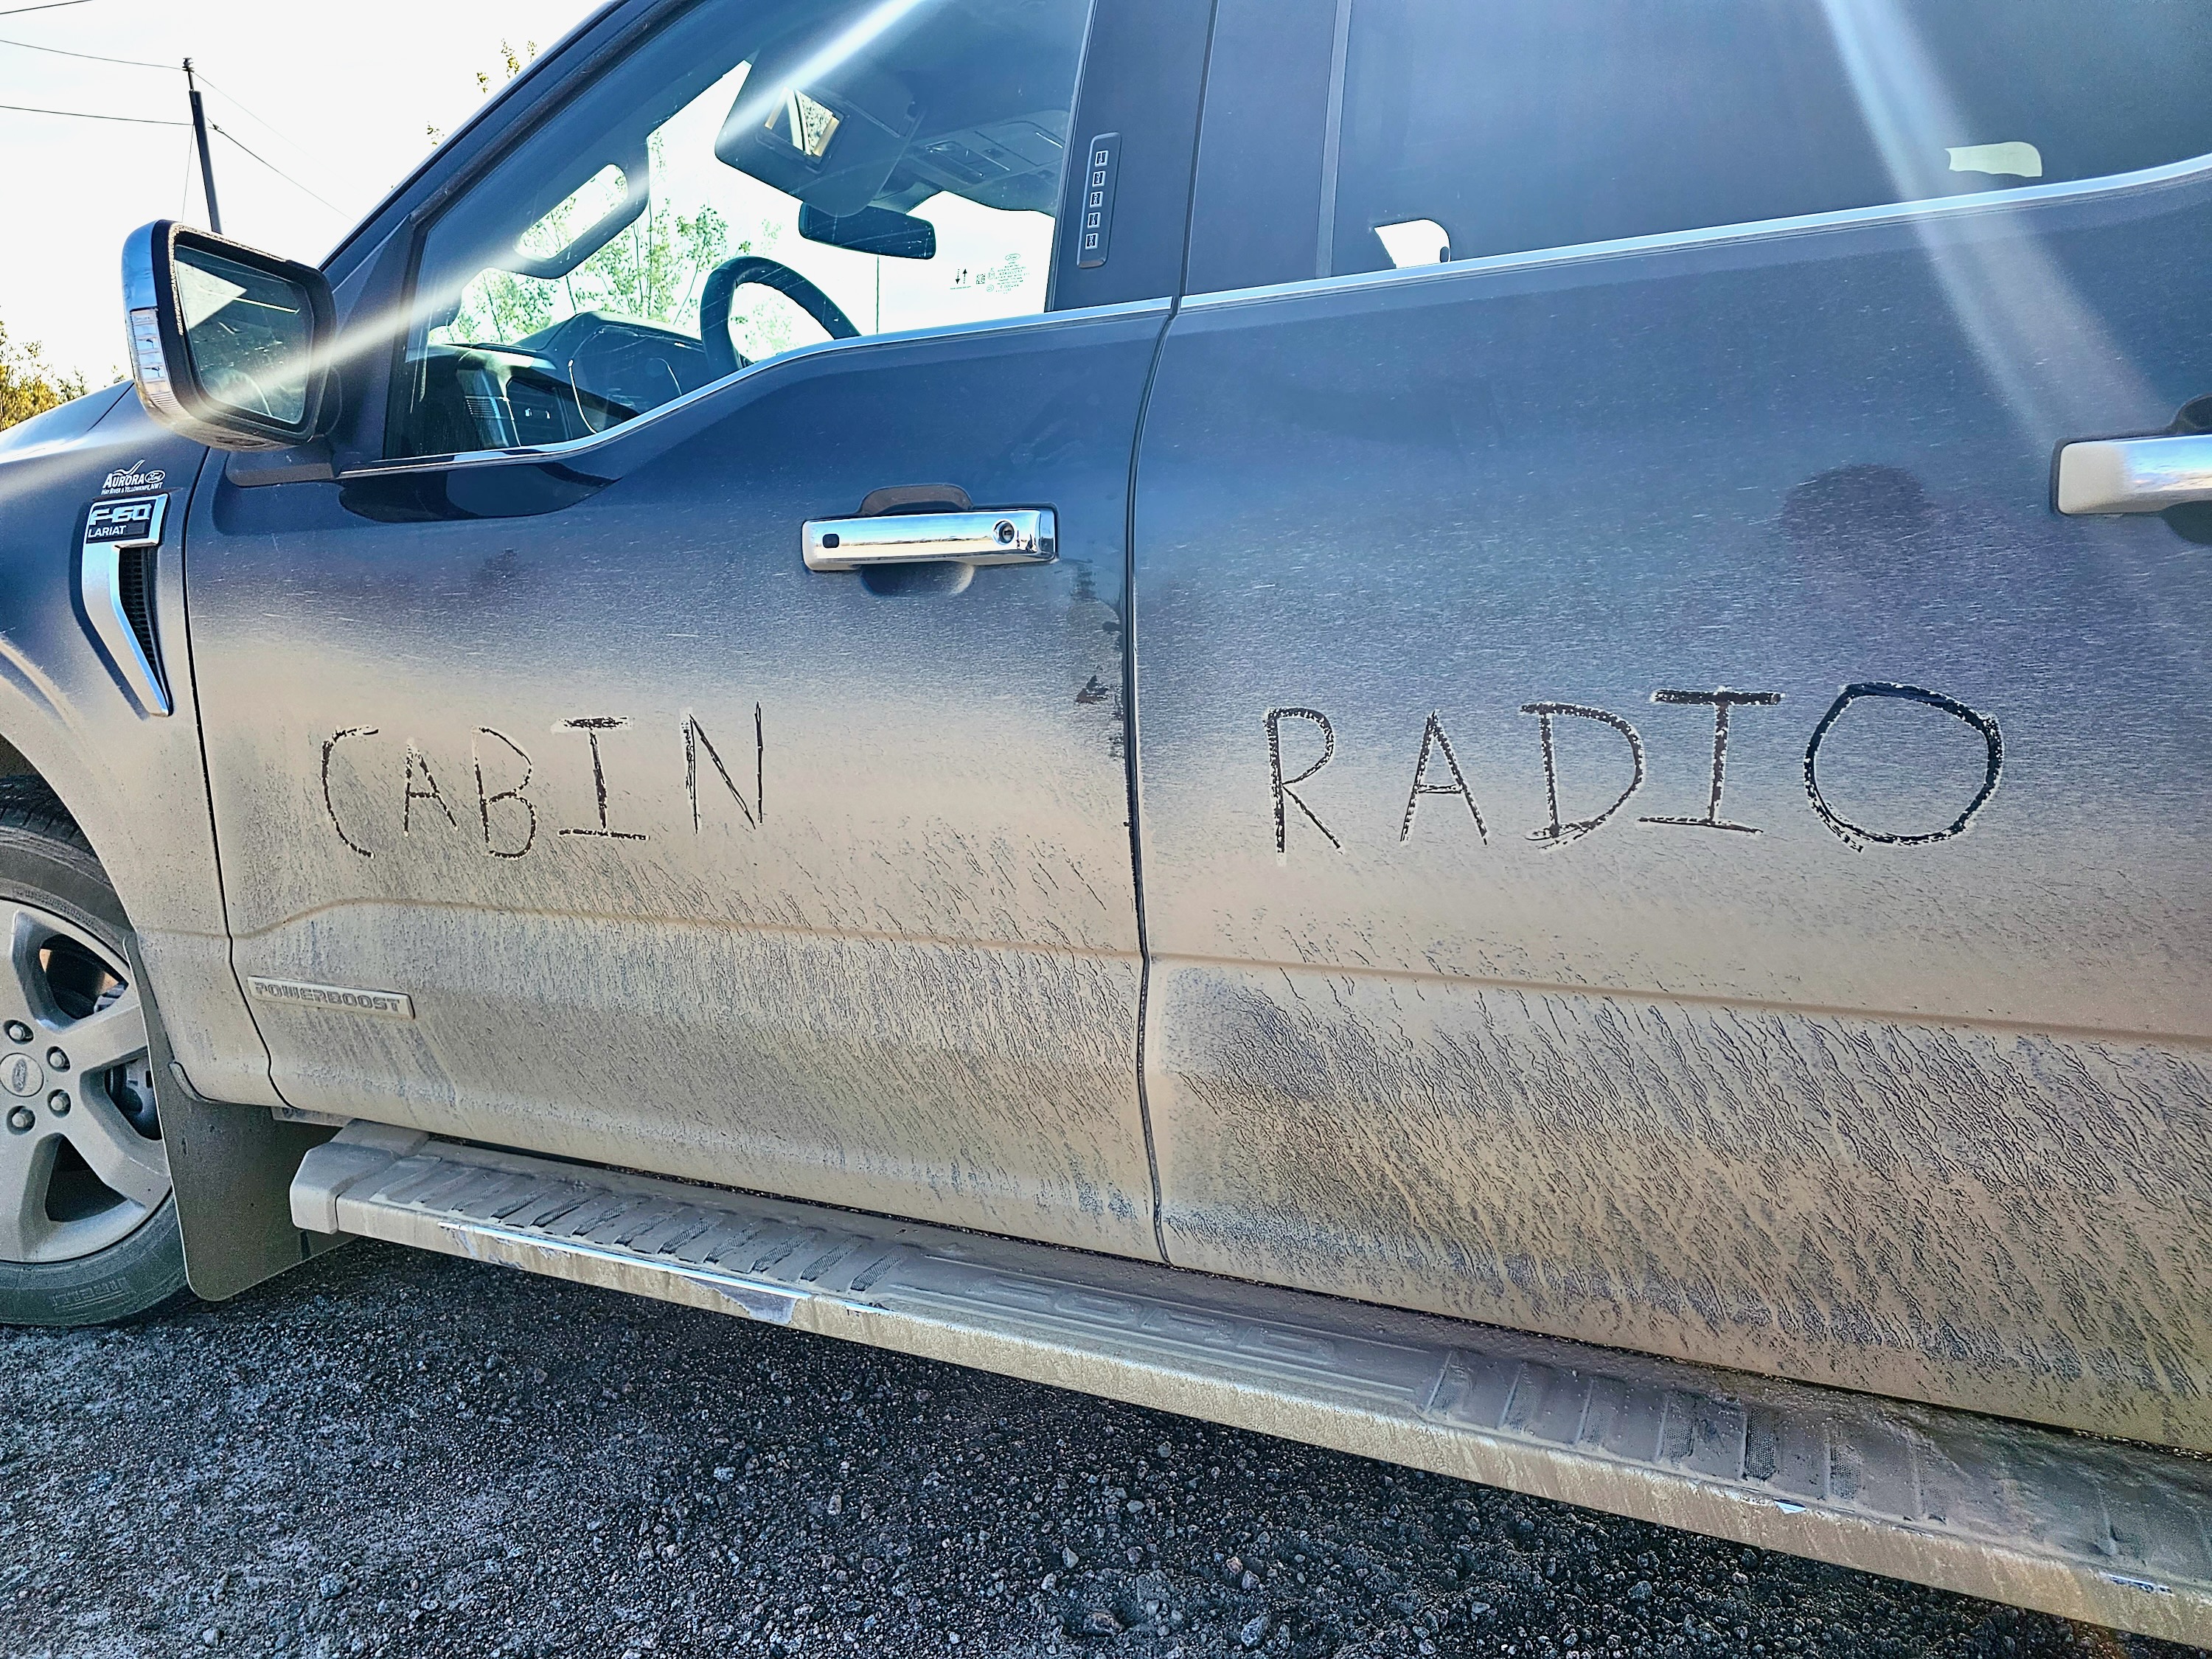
(1453, 129)
(758, 175)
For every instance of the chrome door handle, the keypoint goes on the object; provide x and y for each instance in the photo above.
(1015, 535)
(2135, 475)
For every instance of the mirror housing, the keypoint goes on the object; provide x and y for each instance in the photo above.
(230, 346)
(882, 230)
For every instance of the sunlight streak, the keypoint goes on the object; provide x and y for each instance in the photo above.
(2044, 348)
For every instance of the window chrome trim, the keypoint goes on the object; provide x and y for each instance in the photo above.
(567, 448)
(1934, 207)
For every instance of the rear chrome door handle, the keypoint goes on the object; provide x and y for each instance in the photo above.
(2135, 475)
(1015, 535)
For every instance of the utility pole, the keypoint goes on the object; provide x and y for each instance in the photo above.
(207, 162)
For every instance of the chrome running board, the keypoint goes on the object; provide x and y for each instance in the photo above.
(2112, 1533)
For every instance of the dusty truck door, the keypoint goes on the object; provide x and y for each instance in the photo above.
(1655, 830)
(580, 786)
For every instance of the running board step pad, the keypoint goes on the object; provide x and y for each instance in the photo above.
(2106, 1531)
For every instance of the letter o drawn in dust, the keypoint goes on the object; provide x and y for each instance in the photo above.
(1852, 835)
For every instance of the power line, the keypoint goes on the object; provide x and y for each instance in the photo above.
(139, 63)
(50, 5)
(89, 56)
(267, 126)
(260, 121)
(87, 115)
(263, 122)
(280, 172)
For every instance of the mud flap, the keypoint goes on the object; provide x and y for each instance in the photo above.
(231, 1168)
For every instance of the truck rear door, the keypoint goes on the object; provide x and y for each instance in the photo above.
(1653, 829)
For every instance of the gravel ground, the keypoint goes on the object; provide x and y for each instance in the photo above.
(391, 1453)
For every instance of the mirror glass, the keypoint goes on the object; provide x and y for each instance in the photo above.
(249, 332)
(884, 231)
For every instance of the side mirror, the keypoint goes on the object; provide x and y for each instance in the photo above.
(886, 231)
(228, 346)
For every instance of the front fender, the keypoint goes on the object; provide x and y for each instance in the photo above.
(136, 784)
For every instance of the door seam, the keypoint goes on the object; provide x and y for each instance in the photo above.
(207, 770)
(1129, 762)
(1129, 648)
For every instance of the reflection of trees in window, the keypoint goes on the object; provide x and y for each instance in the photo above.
(499, 305)
(760, 323)
(651, 272)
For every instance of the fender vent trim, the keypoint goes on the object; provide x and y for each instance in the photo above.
(134, 592)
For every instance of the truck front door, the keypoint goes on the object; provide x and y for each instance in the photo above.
(563, 803)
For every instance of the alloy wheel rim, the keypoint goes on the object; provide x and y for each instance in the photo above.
(81, 1162)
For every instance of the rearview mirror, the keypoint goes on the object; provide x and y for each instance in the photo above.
(886, 231)
(228, 346)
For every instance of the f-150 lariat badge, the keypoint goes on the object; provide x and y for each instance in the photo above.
(115, 580)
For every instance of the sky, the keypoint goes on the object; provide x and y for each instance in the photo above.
(337, 96)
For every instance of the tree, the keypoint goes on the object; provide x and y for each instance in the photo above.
(652, 272)
(29, 385)
(515, 64)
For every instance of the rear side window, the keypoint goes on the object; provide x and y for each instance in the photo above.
(1465, 128)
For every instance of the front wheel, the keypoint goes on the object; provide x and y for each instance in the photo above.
(87, 1226)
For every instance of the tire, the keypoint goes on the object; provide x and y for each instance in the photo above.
(87, 1226)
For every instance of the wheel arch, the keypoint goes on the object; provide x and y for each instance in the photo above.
(37, 740)
(230, 1163)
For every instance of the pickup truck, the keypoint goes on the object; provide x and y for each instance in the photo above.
(1472, 732)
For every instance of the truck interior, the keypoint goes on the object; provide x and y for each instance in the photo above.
(733, 189)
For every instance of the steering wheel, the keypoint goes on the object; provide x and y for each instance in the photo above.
(733, 274)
